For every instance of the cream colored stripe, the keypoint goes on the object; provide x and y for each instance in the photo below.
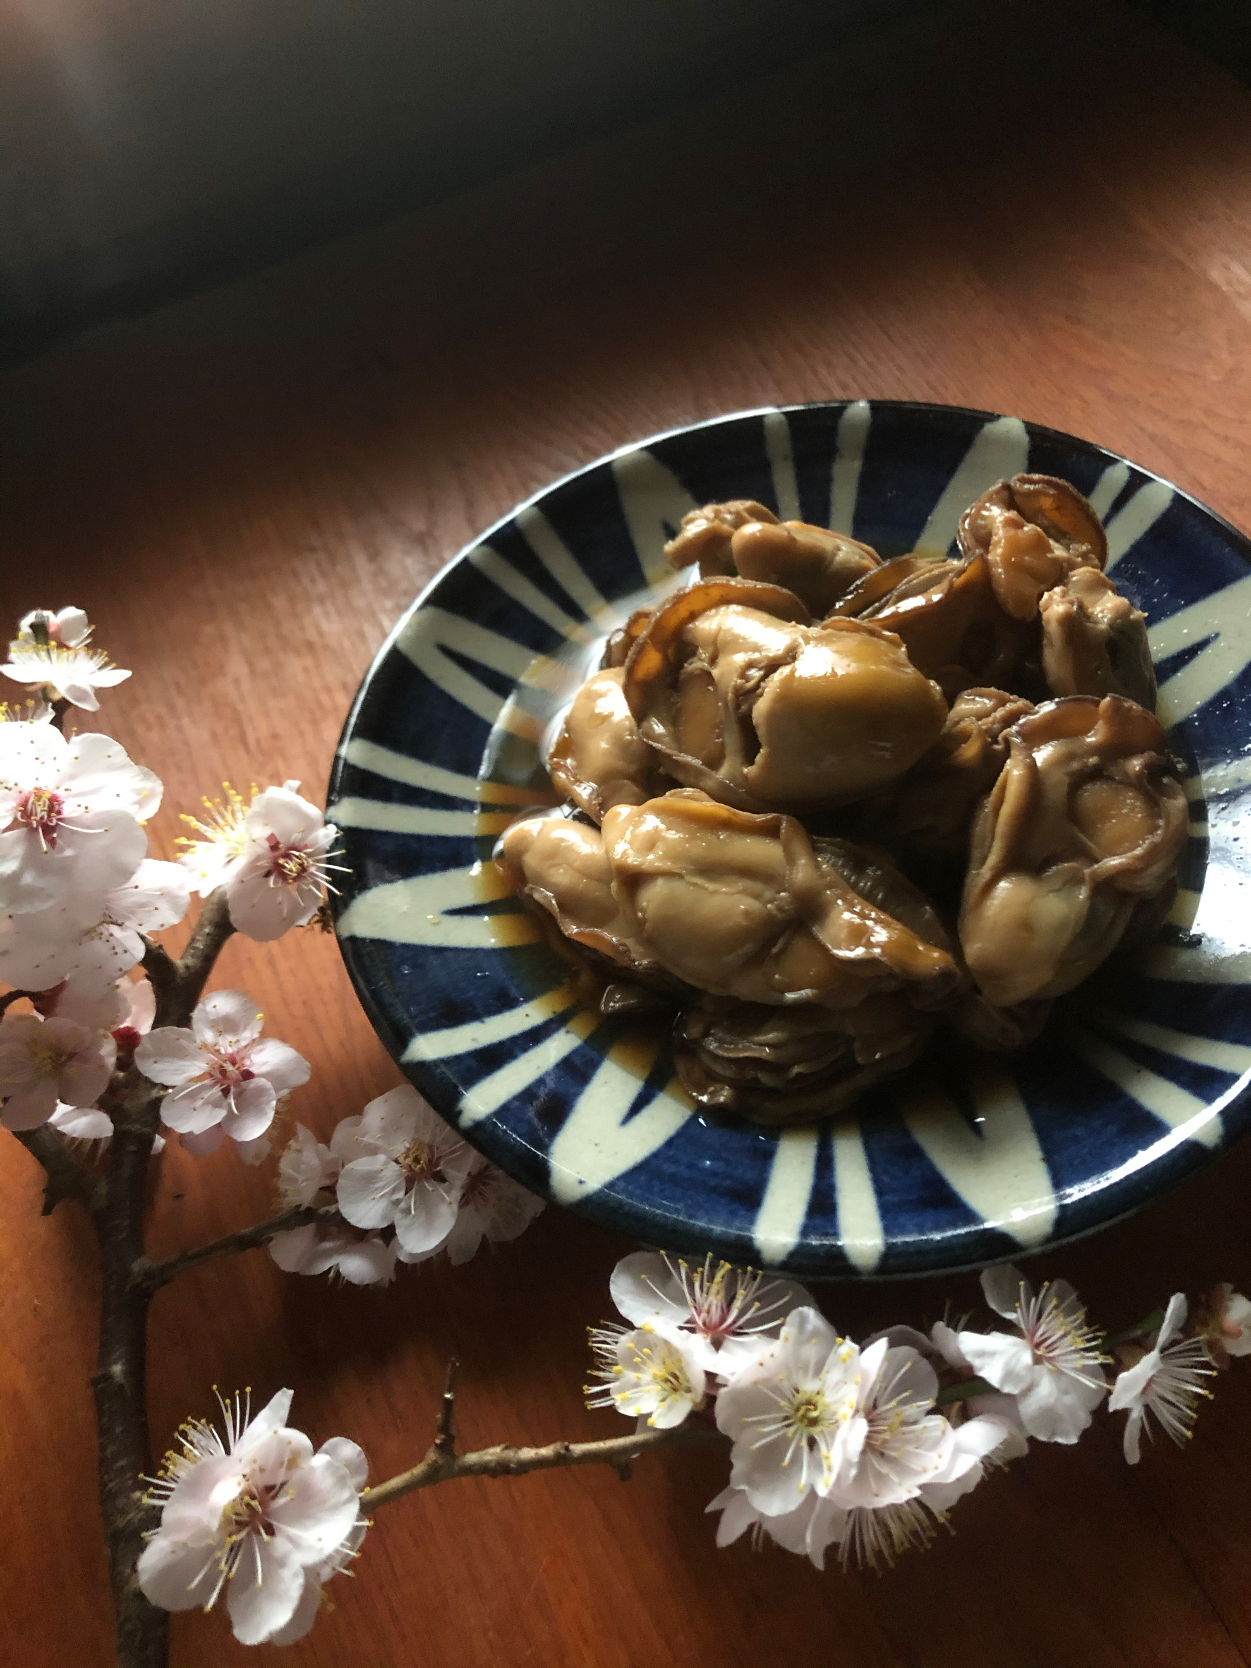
(416, 773)
(998, 1169)
(560, 562)
(1174, 1106)
(651, 496)
(1222, 623)
(600, 1140)
(494, 1028)
(853, 435)
(388, 818)
(1138, 516)
(777, 434)
(413, 912)
(1203, 1051)
(501, 572)
(1108, 487)
(430, 631)
(999, 448)
(859, 1220)
(519, 1073)
(1185, 908)
(780, 1218)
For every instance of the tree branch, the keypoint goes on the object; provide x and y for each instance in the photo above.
(443, 1464)
(204, 946)
(15, 996)
(151, 1276)
(66, 1177)
(506, 1461)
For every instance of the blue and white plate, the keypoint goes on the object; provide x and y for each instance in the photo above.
(1129, 1089)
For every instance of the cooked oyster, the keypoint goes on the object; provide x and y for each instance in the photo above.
(560, 864)
(948, 618)
(1094, 641)
(617, 649)
(747, 701)
(1000, 1030)
(973, 621)
(1085, 820)
(743, 905)
(819, 566)
(873, 587)
(598, 758)
(931, 808)
(1034, 530)
(705, 535)
(780, 1065)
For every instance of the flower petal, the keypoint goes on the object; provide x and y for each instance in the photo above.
(1001, 1287)
(351, 1457)
(999, 1358)
(267, 1587)
(171, 1055)
(177, 1574)
(227, 1017)
(250, 1110)
(279, 1064)
(370, 1191)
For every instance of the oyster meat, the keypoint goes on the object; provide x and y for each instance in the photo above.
(747, 701)
(1086, 820)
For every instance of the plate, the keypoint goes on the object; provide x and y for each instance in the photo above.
(1129, 1089)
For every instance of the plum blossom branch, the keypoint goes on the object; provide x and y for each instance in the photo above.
(152, 1275)
(66, 1178)
(442, 1464)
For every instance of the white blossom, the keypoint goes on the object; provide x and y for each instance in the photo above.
(92, 942)
(307, 1172)
(70, 815)
(491, 1206)
(81, 1123)
(1165, 1384)
(411, 1174)
(330, 1248)
(1225, 1323)
(46, 1061)
(895, 1441)
(788, 1414)
(645, 1376)
(51, 652)
(308, 1607)
(224, 1076)
(863, 1535)
(272, 857)
(259, 1514)
(996, 1406)
(1053, 1368)
(720, 1313)
(69, 627)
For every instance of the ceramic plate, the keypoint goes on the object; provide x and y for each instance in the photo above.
(1129, 1088)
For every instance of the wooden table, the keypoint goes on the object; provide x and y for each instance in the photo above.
(1040, 209)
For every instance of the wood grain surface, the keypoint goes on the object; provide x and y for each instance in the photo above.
(1039, 209)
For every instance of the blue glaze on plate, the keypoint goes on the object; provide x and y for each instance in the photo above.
(1129, 1089)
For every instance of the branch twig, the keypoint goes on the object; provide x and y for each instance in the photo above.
(151, 1276)
(66, 1177)
(443, 1464)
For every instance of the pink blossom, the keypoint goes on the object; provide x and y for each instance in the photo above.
(224, 1075)
(43, 1061)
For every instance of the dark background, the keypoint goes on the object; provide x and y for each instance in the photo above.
(149, 148)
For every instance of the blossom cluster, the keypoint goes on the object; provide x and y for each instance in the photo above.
(866, 1447)
(406, 1188)
(79, 896)
(257, 1513)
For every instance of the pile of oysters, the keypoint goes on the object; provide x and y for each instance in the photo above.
(821, 804)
